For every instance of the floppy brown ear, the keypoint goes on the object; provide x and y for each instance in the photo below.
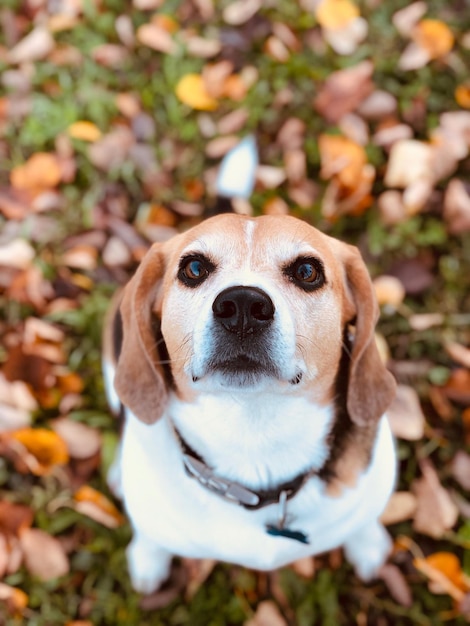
(371, 386)
(139, 380)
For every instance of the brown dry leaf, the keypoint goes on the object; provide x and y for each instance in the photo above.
(85, 131)
(433, 36)
(240, 11)
(40, 450)
(344, 90)
(14, 518)
(436, 512)
(276, 206)
(17, 394)
(41, 171)
(156, 37)
(267, 614)
(82, 257)
(460, 354)
(270, 176)
(457, 207)
(341, 158)
(405, 414)
(11, 554)
(35, 46)
(389, 291)
(98, 507)
(457, 387)
(198, 571)
(461, 469)
(43, 554)
(378, 105)
(400, 507)
(191, 90)
(276, 49)
(396, 584)
(113, 149)
(445, 574)
(406, 19)
(304, 567)
(82, 441)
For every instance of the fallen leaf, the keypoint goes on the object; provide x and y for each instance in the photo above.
(40, 449)
(457, 388)
(35, 46)
(267, 614)
(409, 161)
(406, 19)
(460, 468)
(276, 49)
(396, 584)
(400, 507)
(344, 90)
(15, 599)
(14, 518)
(459, 353)
(433, 36)
(345, 40)
(41, 171)
(240, 11)
(17, 254)
(304, 567)
(341, 158)
(436, 512)
(96, 506)
(389, 291)
(85, 131)
(333, 14)
(191, 91)
(43, 554)
(462, 95)
(156, 37)
(405, 414)
(81, 440)
(456, 207)
(198, 571)
(378, 105)
(445, 574)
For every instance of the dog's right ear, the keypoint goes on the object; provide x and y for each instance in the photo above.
(140, 381)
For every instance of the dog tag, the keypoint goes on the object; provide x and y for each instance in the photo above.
(279, 530)
(286, 532)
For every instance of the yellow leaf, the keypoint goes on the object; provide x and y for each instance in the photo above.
(191, 91)
(95, 505)
(86, 131)
(335, 14)
(41, 171)
(462, 96)
(44, 449)
(434, 37)
(341, 158)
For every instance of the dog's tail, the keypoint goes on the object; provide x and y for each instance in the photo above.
(236, 177)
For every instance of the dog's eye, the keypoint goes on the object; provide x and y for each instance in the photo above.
(306, 273)
(194, 270)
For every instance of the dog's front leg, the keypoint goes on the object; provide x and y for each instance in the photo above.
(367, 549)
(149, 564)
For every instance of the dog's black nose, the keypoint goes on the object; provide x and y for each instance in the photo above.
(243, 310)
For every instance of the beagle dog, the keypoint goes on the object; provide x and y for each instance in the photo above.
(243, 354)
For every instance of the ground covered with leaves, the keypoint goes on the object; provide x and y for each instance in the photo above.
(113, 119)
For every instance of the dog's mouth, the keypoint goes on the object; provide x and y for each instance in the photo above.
(246, 371)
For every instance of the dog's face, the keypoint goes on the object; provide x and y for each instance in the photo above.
(250, 305)
(254, 305)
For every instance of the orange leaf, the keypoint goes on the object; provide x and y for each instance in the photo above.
(41, 171)
(98, 507)
(449, 565)
(191, 91)
(335, 14)
(15, 598)
(341, 158)
(86, 131)
(42, 449)
(462, 96)
(434, 37)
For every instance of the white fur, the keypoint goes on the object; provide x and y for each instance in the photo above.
(172, 514)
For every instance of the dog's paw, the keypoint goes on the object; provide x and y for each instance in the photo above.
(368, 549)
(149, 565)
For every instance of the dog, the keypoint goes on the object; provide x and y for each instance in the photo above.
(242, 352)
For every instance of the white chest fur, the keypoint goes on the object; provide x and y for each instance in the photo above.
(171, 510)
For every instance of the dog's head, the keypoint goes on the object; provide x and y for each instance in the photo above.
(242, 305)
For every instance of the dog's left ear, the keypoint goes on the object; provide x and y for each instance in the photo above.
(140, 381)
(371, 386)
